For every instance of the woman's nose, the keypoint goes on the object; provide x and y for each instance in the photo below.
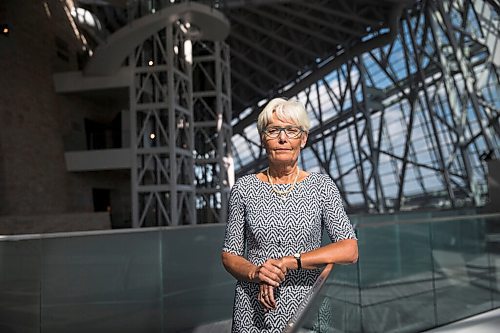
(282, 136)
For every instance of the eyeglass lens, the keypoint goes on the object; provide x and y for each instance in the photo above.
(291, 132)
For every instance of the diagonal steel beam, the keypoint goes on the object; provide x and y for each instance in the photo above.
(256, 67)
(333, 63)
(330, 24)
(264, 51)
(338, 13)
(298, 48)
(243, 79)
(292, 25)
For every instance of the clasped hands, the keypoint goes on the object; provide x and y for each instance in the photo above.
(270, 275)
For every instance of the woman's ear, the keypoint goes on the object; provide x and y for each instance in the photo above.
(263, 141)
(303, 140)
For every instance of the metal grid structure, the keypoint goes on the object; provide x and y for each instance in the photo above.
(403, 96)
(276, 44)
(403, 126)
(214, 172)
(285, 46)
(162, 130)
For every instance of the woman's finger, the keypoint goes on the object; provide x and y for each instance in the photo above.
(268, 273)
(264, 297)
(275, 282)
(270, 295)
(276, 266)
(268, 277)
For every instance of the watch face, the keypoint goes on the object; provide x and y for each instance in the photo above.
(297, 255)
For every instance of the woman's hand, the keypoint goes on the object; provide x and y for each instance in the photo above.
(266, 296)
(272, 272)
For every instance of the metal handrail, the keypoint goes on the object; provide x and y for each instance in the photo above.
(299, 316)
(104, 232)
(431, 219)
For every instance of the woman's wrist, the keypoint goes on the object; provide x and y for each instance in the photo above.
(290, 262)
(253, 276)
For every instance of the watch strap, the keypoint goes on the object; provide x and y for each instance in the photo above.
(299, 261)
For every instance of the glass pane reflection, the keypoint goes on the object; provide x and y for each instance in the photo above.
(413, 274)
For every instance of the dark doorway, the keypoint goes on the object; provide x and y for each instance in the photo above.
(103, 136)
(102, 199)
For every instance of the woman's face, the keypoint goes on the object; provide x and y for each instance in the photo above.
(283, 150)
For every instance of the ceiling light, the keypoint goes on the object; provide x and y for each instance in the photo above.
(5, 29)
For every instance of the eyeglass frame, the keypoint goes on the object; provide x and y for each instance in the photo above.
(283, 129)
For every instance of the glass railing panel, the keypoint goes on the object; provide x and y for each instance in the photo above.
(196, 288)
(344, 298)
(101, 283)
(495, 281)
(20, 286)
(493, 249)
(461, 266)
(413, 275)
(395, 268)
(337, 306)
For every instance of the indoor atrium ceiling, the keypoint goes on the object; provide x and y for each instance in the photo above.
(277, 47)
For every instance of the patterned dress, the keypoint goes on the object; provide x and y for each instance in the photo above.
(263, 225)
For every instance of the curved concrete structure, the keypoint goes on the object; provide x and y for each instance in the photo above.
(109, 57)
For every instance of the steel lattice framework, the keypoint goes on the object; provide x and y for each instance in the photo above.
(162, 130)
(214, 171)
(403, 96)
(404, 126)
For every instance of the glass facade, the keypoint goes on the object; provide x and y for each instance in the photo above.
(405, 126)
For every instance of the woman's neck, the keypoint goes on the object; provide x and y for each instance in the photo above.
(283, 174)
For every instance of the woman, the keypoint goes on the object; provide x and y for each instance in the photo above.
(277, 217)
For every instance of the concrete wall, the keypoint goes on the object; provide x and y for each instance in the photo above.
(35, 121)
(30, 126)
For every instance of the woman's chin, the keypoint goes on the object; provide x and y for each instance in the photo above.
(281, 160)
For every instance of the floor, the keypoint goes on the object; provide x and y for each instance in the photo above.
(488, 322)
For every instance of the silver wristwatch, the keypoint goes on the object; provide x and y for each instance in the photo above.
(299, 261)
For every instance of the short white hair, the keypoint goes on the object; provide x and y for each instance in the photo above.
(286, 110)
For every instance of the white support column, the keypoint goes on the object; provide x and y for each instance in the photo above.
(161, 130)
(212, 112)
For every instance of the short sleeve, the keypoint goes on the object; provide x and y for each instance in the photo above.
(335, 219)
(234, 239)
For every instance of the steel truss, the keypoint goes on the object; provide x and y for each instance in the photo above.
(162, 130)
(214, 172)
(404, 126)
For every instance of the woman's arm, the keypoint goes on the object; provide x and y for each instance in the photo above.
(271, 272)
(344, 246)
(342, 252)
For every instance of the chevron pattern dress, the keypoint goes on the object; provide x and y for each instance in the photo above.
(263, 225)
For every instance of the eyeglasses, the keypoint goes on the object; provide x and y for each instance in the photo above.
(292, 132)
